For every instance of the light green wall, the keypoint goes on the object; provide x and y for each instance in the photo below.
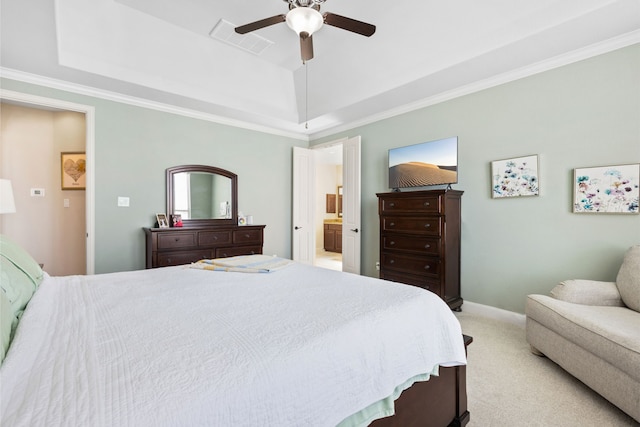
(134, 146)
(581, 115)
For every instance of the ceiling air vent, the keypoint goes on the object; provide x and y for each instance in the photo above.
(225, 32)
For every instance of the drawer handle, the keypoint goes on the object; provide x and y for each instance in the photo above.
(391, 261)
(392, 243)
(426, 203)
(427, 246)
(426, 267)
(247, 236)
(215, 237)
(177, 239)
(427, 225)
(391, 224)
(391, 204)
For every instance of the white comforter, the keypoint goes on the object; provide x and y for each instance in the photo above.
(175, 346)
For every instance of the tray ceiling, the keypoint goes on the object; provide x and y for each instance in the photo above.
(175, 52)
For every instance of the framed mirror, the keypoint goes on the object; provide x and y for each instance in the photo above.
(202, 195)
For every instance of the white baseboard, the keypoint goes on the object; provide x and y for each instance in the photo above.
(494, 313)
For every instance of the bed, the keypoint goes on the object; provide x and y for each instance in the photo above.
(286, 345)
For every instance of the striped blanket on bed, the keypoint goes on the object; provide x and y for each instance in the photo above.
(244, 264)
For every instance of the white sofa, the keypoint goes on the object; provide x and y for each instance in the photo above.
(592, 330)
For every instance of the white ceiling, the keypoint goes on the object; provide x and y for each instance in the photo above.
(161, 51)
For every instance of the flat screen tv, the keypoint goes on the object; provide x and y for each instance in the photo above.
(424, 164)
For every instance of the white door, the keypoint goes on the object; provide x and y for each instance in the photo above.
(351, 230)
(304, 184)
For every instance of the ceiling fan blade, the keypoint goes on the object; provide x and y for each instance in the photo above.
(247, 28)
(349, 24)
(306, 46)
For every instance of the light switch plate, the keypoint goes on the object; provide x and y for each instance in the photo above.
(123, 202)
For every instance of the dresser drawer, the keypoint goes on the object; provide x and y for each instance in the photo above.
(210, 238)
(238, 250)
(184, 245)
(411, 264)
(168, 240)
(419, 281)
(166, 259)
(410, 204)
(423, 245)
(399, 224)
(247, 236)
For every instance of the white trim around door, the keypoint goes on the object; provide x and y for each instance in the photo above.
(89, 112)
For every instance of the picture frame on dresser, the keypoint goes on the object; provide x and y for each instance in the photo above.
(176, 220)
(161, 218)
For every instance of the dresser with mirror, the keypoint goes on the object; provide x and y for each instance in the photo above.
(206, 198)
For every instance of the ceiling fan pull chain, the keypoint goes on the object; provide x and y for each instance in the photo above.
(306, 95)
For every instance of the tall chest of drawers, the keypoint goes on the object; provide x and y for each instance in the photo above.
(420, 241)
(175, 246)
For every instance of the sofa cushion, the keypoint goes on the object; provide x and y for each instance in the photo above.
(610, 333)
(588, 292)
(628, 280)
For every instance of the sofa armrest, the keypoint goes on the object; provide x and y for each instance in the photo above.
(588, 292)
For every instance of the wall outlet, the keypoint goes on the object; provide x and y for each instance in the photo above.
(37, 192)
(123, 202)
(378, 265)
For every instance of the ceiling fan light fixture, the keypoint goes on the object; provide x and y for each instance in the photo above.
(304, 19)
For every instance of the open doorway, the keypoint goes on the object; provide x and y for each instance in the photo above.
(42, 196)
(328, 217)
(310, 205)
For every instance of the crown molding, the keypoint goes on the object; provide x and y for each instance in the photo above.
(67, 86)
(536, 68)
(530, 70)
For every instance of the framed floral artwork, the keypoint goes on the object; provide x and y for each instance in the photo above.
(515, 177)
(606, 189)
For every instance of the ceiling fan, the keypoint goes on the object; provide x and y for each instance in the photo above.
(304, 18)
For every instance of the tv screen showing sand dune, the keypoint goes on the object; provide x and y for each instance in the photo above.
(425, 164)
(417, 174)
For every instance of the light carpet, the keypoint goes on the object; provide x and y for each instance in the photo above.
(509, 386)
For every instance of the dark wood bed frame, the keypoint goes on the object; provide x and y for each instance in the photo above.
(439, 402)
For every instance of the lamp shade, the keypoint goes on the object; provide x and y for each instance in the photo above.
(7, 204)
(304, 19)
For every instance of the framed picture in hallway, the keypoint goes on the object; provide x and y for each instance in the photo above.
(515, 177)
(73, 170)
(607, 189)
